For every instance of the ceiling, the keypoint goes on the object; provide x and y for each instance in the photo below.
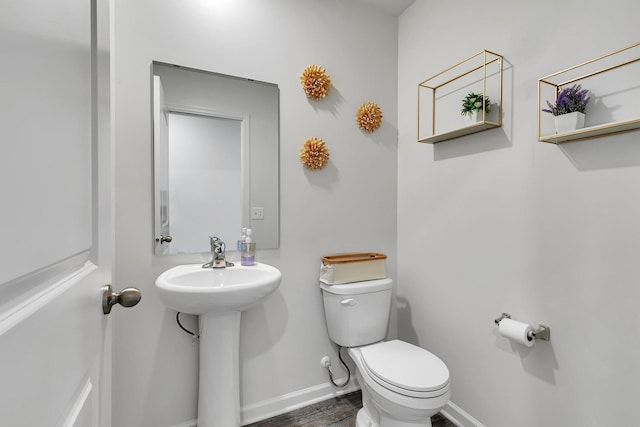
(394, 7)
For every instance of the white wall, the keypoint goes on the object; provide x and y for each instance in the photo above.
(350, 205)
(501, 222)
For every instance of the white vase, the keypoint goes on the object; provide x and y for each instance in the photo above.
(471, 118)
(569, 122)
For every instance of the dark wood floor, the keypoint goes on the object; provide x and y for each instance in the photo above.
(336, 412)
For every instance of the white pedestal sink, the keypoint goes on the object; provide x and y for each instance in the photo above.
(218, 296)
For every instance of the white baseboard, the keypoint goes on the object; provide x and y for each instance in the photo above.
(299, 399)
(292, 401)
(457, 416)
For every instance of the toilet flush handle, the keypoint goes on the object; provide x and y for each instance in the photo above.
(348, 302)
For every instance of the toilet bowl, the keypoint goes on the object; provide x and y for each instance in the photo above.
(403, 385)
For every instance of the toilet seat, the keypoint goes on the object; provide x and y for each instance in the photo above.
(406, 369)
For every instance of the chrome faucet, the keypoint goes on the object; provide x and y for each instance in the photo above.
(217, 254)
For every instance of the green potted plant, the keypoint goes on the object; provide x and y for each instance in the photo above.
(569, 108)
(472, 104)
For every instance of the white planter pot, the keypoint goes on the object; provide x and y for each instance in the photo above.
(472, 118)
(569, 122)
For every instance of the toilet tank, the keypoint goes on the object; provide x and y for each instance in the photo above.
(357, 313)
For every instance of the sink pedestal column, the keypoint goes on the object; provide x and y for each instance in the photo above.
(219, 389)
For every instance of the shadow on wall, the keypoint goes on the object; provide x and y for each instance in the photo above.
(494, 139)
(406, 332)
(330, 103)
(386, 136)
(325, 178)
(614, 151)
(539, 360)
(267, 324)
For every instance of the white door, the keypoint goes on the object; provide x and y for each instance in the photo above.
(52, 368)
(55, 216)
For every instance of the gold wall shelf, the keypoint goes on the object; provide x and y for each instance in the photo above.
(480, 73)
(613, 82)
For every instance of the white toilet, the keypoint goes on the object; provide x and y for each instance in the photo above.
(402, 385)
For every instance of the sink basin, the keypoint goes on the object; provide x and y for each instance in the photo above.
(195, 290)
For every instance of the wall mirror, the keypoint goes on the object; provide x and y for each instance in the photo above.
(216, 154)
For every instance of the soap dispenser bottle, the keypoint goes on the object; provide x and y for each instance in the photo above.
(242, 239)
(248, 250)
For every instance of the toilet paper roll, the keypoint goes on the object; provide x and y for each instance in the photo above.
(516, 331)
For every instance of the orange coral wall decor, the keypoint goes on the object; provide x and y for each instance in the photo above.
(314, 155)
(369, 116)
(315, 82)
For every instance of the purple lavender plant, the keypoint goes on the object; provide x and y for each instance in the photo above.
(571, 99)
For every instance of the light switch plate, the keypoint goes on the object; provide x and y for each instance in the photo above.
(257, 213)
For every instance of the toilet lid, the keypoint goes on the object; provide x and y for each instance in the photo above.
(406, 366)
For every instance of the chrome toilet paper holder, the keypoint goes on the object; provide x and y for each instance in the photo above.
(542, 332)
